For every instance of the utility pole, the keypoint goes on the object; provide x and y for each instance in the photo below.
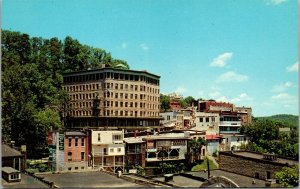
(208, 169)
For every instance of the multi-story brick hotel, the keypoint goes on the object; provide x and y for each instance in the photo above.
(111, 97)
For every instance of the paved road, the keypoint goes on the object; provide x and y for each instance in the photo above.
(88, 179)
(27, 181)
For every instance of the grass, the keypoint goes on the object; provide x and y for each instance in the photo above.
(203, 166)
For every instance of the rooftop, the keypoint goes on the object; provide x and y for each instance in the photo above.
(7, 151)
(9, 170)
(75, 133)
(260, 157)
(242, 181)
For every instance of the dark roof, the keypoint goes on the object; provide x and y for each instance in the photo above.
(7, 151)
(74, 133)
(107, 69)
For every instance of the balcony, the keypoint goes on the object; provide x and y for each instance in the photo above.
(229, 132)
(230, 123)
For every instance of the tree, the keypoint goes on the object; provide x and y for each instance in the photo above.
(164, 102)
(265, 137)
(194, 149)
(32, 96)
(288, 176)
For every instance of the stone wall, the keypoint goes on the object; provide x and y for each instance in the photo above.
(247, 166)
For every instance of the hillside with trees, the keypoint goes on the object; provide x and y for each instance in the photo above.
(287, 119)
(32, 97)
(265, 137)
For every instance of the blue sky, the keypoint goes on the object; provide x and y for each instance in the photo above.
(243, 52)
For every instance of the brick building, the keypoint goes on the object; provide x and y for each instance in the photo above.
(245, 113)
(112, 97)
(256, 165)
(214, 107)
(75, 151)
(175, 101)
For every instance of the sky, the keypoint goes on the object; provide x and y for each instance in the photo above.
(238, 51)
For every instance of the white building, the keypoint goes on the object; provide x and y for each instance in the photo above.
(208, 122)
(108, 150)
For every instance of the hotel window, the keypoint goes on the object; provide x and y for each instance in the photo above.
(126, 104)
(200, 119)
(121, 113)
(99, 138)
(136, 105)
(136, 87)
(82, 156)
(126, 87)
(131, 104)
(207, 119)
(121, 86)
(126, 95)
(119, 149)
(116, 86)
(126, 113)
(116, 95)
(116, 104)
(82, 141)
(116, 113)
(131, 96)
(76, 141)
(70, 142)
(135, 96)
(121, 104)
(111, 150)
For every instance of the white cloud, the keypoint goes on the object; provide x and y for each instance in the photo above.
(241, 98)
(124, 45)
(214, 94)
(282, 87)
(144, 46)
(285, 99)
(276, 2)
(180, 90)
(223, 99)
(221, 60)
(231, 76)
(293, 68)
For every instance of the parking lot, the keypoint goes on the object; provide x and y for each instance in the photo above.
(88, 179)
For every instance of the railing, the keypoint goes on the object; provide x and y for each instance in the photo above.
(133, 151)
(229, 132)
(111, 164)
(230, 123)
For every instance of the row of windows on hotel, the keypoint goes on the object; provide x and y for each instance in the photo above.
(115, 113)
(110, 75)
(116, 104)
(115, 95)
(117, 86)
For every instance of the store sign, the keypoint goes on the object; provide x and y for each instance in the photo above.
(61, 141)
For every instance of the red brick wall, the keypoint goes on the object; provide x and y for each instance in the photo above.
(76, 150)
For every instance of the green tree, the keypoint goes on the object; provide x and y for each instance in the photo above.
(194, 149)
(164, 102)
(288, 176)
